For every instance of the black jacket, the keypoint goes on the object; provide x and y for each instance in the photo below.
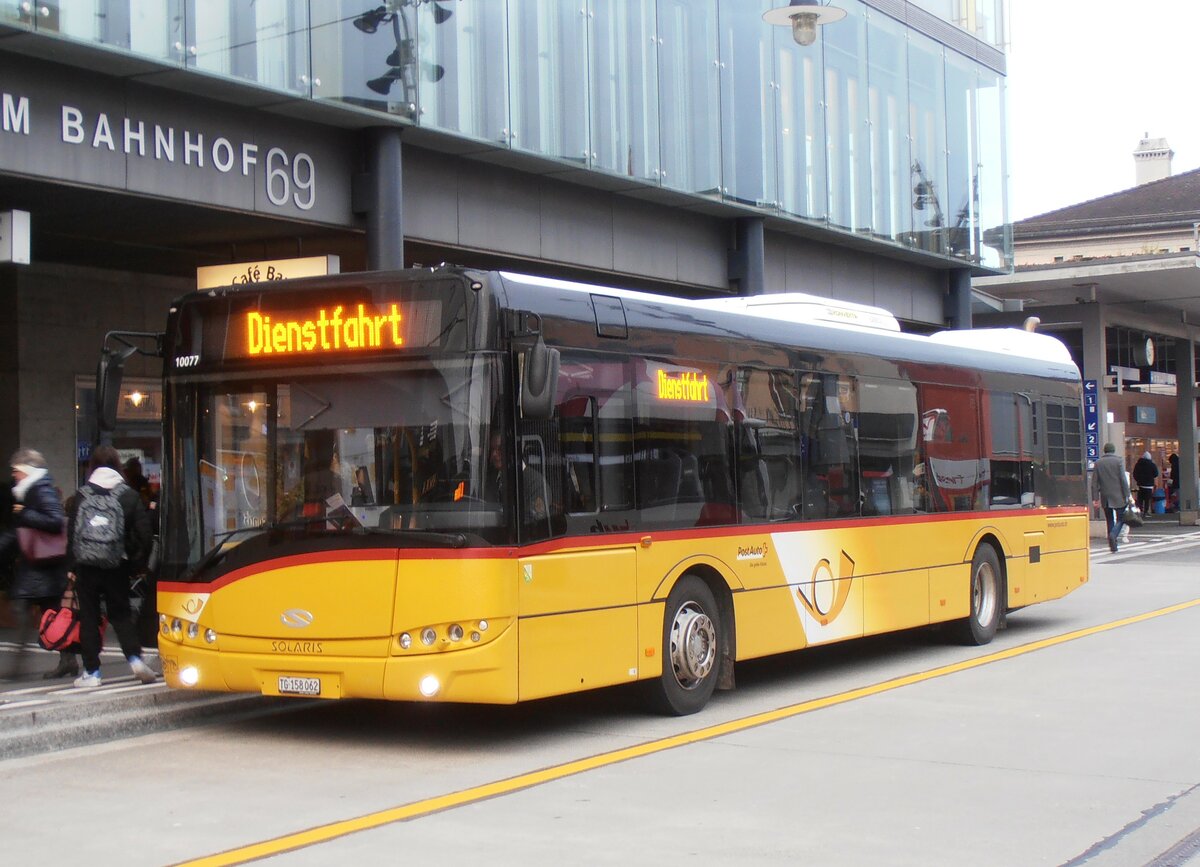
(42, 511)
(138, 531)
(1144, 473)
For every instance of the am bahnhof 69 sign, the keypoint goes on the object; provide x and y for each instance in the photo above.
(123, 135)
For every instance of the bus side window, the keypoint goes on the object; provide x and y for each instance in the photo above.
(1063, 477)
(830, 427)
(954, 470)
(769, 458)
(887, 436)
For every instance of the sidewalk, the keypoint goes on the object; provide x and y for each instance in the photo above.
(38, 715)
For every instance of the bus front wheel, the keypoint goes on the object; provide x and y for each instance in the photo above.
(692, 645)
(986, 598)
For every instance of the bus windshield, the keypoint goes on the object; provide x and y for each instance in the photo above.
(360, 452)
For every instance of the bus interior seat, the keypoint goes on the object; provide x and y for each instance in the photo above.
(689, 478)
(755, 488)
(658, 479)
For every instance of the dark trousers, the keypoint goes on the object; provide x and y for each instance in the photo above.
(111, 585)
(1115, 519)
(1145, 499)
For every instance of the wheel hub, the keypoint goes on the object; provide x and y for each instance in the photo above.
(693, 646)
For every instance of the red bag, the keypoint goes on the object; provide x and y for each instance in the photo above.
(38, 546)
(59, 628)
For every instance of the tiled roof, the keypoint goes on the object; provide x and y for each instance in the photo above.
(1166, 203)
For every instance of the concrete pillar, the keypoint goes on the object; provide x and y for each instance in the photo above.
(383, 199)
(747, 261)
(958, 300)
(1095, 361)
(1185, 382)
(10, 386)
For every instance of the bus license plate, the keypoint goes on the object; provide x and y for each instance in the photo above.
(300, 685)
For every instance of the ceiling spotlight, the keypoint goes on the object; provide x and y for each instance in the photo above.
(383, 84)
(369, 22)
(804, 16)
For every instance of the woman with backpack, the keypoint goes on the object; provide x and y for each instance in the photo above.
(109, 536)
(37, 583)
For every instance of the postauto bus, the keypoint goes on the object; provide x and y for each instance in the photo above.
(454, 485)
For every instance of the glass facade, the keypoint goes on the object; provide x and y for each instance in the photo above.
(874, 129)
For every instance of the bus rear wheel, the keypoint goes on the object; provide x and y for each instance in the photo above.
(692, 647)
(986, 598)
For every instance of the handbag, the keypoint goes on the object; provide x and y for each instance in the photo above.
(1133, 516)
(59, 627)
(38, 546)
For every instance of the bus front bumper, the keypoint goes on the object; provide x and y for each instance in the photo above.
(483, 674)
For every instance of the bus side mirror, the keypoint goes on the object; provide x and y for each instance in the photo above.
(539, 381)
(109, 374)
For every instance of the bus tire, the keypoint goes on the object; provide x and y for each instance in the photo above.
(692, 649)
(987, 582)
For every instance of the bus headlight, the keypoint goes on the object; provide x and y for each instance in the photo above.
(428, 636)
(405, 641)
(193, 630)
(429, 686)
(177, 627)
(210, 636)
(455, 632)
(189, 675)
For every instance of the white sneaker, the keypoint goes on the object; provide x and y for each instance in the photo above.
(141, 671)
(88, 680)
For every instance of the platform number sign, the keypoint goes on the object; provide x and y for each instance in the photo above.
(1091, 421)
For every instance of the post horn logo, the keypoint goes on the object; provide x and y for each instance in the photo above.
(824, 597)
(297, 618)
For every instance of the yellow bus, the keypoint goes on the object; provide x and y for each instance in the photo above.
(467, 486)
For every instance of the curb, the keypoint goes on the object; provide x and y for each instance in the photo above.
(55, 722)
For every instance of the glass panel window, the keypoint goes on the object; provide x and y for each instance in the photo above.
(800, 126)
(846, 124)
(747, 104)
(996, 249)
(689, 95)
(770, 462)
(888, 112)
(953, 474)
(265, 41)
(887, 438)
(548, 92)
(962, 158)
(365, 54)
(463, 70)
(829, 427)
(927, 129)
(624, 87)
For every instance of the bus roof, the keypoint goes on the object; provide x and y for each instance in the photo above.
(877, 332)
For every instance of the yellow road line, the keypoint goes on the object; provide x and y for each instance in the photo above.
(333, 830)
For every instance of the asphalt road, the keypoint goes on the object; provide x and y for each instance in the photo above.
(1071, 739)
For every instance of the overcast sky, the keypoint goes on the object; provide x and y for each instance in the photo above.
(1086, 80)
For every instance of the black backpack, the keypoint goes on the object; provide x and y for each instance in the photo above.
(99, 527)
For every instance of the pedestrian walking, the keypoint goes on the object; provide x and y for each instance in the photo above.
(1110, 485)
(1145, 471)
(36, 536)
(109, 539)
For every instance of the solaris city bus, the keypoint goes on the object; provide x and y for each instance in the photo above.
(453, 485)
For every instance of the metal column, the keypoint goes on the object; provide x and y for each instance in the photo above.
(747, 262)
(383, 199)
(1185, 385)
(958, 300)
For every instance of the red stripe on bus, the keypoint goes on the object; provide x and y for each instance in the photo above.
(598, 541)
